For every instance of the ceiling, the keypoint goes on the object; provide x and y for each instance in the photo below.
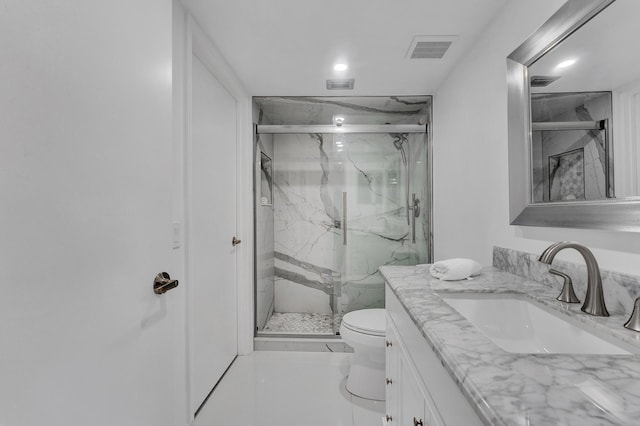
(288, 47)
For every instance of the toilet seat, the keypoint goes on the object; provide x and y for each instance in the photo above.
(367, 321)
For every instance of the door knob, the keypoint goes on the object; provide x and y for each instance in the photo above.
(235, 241)
(163, 283)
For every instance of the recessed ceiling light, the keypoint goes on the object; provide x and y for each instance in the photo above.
(567, 63)
(340, 67)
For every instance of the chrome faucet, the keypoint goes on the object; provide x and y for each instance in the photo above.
(594, 299)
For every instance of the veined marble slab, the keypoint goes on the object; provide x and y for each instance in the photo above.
(620, 290)
(521, 389)
(315, 271)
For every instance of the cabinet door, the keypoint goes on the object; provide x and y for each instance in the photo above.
(392, 370)
(412, 402)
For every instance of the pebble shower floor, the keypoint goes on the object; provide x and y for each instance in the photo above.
(303, 323)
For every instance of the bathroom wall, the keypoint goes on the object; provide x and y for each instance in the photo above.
(264, 228)
(314, 271)
(471, 195)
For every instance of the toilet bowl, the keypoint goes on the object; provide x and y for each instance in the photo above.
(364, 331)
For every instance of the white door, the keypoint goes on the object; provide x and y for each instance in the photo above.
(86, 188)
(211, 210)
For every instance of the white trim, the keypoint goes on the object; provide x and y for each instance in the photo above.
(198, 43)
(187, 211)
(301, 344)
(245, 228)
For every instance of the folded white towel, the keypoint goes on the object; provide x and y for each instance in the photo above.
(455, 269)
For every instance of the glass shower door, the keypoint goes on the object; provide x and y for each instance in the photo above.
(339, 211)
(373, 181)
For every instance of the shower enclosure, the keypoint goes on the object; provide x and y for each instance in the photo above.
(333, 203)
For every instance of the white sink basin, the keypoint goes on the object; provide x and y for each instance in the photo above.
(520, 325)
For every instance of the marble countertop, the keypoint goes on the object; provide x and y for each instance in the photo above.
(522, 389)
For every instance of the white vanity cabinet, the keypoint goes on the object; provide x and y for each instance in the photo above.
(420, 391)
(407, 402)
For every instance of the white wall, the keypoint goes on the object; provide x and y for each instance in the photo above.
(86, 190)
(471, 197)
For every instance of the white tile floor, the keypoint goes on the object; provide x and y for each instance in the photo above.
(269, 388)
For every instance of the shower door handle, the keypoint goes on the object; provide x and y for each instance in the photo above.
(344, 218)
(415, 209)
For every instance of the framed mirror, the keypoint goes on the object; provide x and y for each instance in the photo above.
(574, 119)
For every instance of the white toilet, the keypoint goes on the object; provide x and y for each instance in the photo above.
(364, 331)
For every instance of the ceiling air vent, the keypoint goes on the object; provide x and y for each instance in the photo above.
(429, 47)
(542, 80)
(340, 84)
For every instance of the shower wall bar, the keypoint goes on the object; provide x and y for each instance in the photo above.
(346, 128)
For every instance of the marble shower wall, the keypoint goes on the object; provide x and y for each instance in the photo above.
(314, 271)
(264, 234)
(620, 290)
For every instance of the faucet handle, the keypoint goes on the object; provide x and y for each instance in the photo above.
(634, 320)
(567, 294)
